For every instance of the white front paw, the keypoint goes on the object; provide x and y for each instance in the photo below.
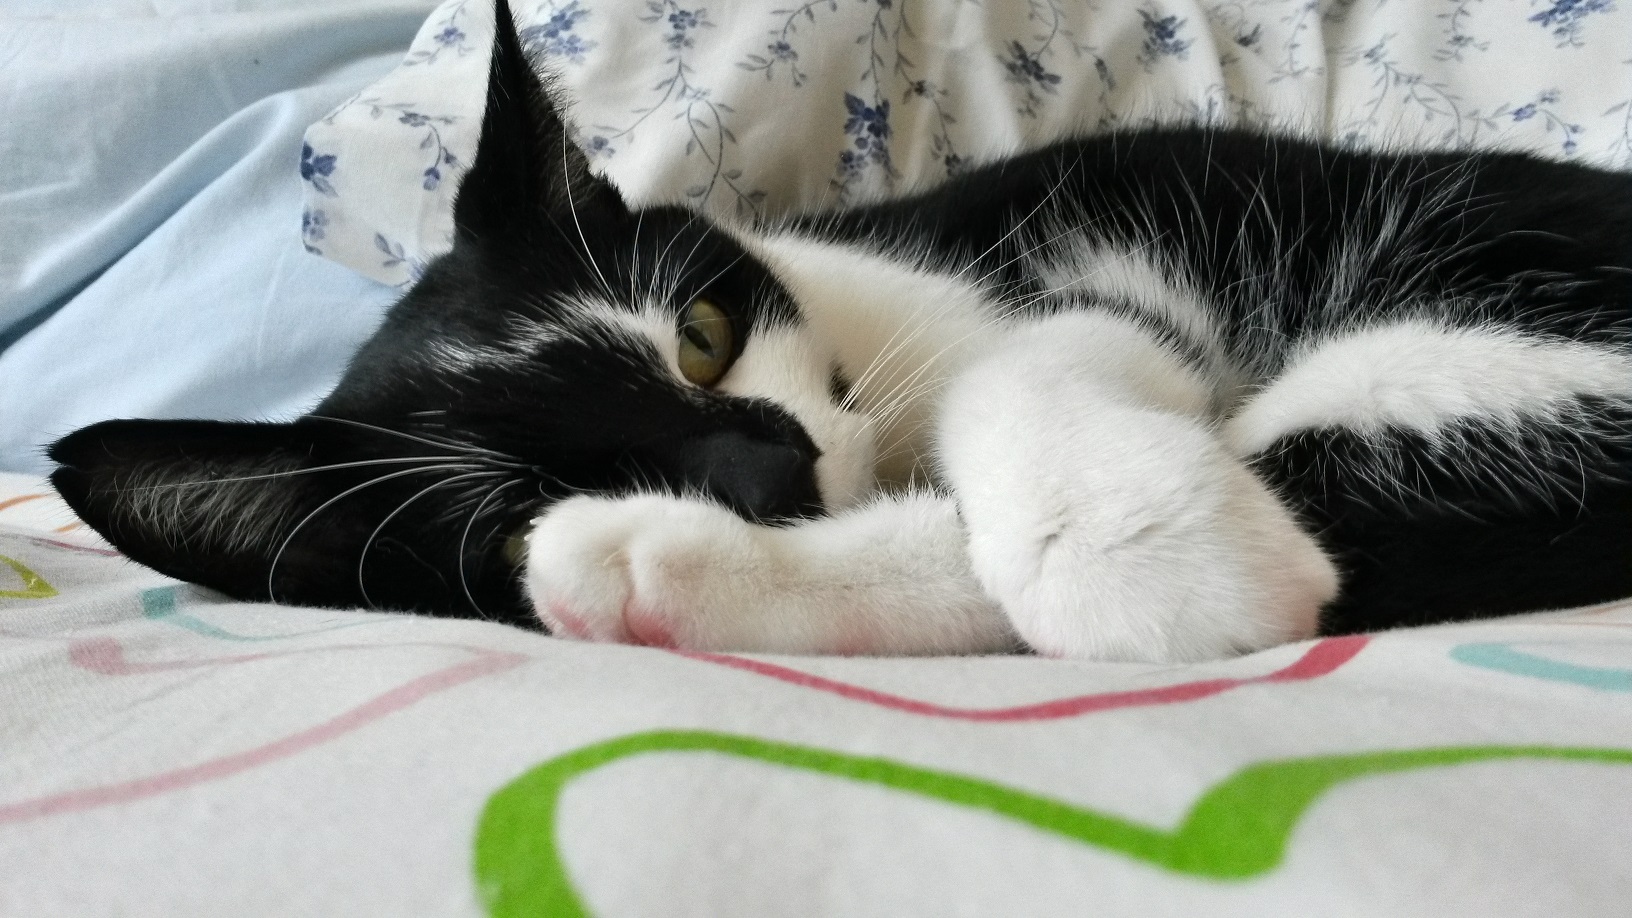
(650, 570)
(1160, 547)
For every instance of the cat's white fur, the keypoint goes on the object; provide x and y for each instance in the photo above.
(1102, 513)
(1417, 374)
(888, 577)
(1090, 496)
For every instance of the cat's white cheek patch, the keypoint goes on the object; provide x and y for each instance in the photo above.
(897, 329)
(1419, 376)
(783, 366)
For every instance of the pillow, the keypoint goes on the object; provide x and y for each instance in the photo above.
(765, 106)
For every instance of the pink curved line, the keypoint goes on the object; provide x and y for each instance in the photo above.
(106, 656)
(66, 546)
(1324, 657)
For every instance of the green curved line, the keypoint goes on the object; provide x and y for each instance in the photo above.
(1237, 830)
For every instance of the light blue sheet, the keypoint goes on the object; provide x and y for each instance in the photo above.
(150, 253)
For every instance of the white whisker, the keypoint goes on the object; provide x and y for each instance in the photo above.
(368, 543)
(464, 579)
(271, 570)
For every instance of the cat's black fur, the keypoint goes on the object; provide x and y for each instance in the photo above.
(365, 501)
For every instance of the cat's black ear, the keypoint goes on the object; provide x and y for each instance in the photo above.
(527, 166)
(203, 501)
(221, 503)
(319, 512)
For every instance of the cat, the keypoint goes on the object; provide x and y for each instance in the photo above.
(1157, 395)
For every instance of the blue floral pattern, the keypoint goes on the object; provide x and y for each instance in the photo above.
(396, 255)
(1162, 38)
(446, 36)
(754, 109)
(313, 222)
(316, 168)
(1568, 19)
(868, 128)
(707, 121)
(557, 35)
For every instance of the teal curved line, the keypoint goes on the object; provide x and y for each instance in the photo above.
(162, 604)
(1505, 658)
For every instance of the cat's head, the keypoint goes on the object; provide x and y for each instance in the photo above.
(566, 344)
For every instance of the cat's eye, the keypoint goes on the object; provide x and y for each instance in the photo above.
(515, 548)
(706, 342)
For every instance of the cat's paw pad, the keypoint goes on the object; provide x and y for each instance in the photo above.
(653, 570)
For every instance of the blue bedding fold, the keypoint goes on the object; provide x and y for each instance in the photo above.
(150, 253)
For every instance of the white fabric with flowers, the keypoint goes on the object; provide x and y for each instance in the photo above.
(767, 105)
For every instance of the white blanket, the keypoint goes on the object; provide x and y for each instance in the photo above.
(166, 753)
(763, 106)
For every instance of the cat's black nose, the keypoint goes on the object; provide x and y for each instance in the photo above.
(762, 480)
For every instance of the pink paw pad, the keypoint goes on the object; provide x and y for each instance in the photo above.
(647, 629)
(571, 624)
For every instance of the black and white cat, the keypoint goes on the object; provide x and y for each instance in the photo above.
(1158, 395)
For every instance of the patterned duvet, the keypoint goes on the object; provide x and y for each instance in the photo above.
(164, 751)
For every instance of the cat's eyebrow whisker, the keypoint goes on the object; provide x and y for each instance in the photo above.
(662, 259)
(634, 257)
(368, 544)
(271, 570)
(685, 269)
(572, 207)
(721, 273)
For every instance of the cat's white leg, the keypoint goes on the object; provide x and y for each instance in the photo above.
(1102, 512)
(888, 577)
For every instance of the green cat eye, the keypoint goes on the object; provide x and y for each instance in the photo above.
(706, 342)
(515, 548)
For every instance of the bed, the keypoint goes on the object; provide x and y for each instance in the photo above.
(208, 205)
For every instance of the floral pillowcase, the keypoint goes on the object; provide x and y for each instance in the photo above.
(766, 105)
